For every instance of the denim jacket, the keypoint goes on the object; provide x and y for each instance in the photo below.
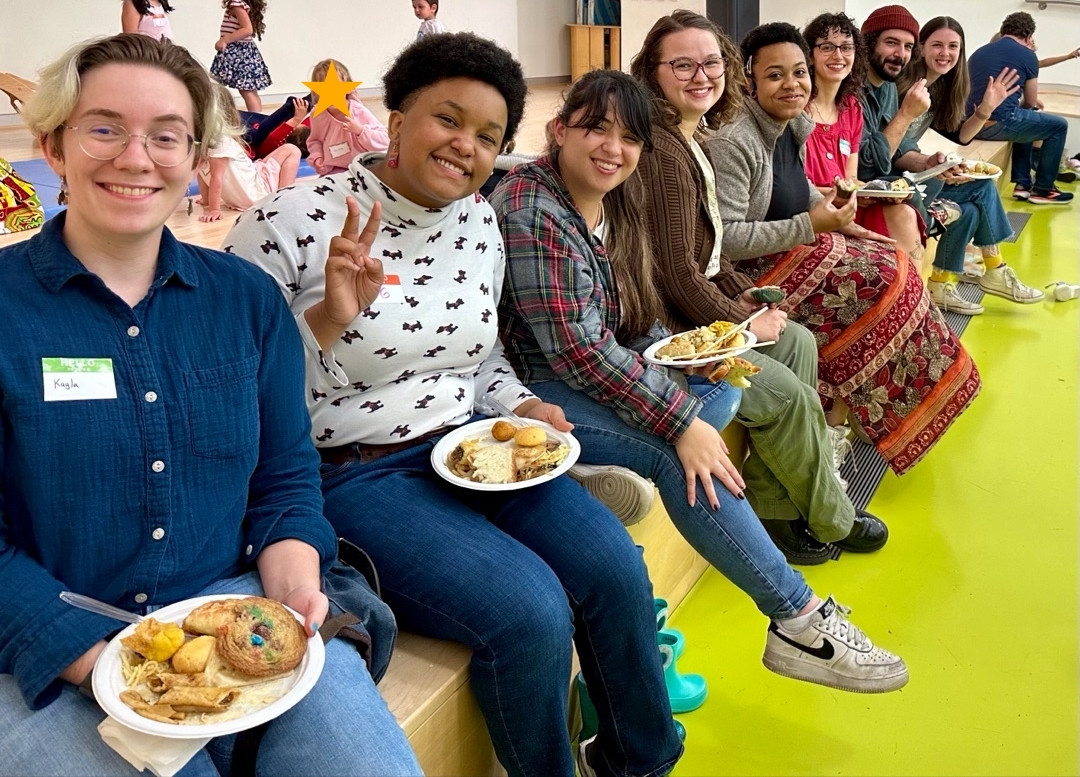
(171, 467)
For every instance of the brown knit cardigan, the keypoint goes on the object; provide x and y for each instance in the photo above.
(682, 237)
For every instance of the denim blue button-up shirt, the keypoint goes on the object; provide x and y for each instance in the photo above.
(199, 460)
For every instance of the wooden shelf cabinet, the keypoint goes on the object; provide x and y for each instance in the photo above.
(594, 46)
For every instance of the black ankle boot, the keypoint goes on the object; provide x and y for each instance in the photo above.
(798, 545)
(868, 533)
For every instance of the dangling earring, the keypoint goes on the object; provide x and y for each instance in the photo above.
(392, 155)
(62, 197)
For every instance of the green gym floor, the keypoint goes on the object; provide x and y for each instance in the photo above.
(977, 588)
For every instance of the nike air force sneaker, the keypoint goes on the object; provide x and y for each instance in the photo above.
(832, 651)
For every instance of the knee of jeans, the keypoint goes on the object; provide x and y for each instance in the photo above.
(534, 626)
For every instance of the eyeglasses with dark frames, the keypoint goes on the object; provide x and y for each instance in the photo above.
(685, 68)
(829, 48)
(166, 147)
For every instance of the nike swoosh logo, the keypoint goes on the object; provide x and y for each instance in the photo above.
(825, 652)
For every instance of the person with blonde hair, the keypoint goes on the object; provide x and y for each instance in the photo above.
(336, 138)
(173, 396)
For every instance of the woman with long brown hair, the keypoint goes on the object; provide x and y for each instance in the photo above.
(692, 71)
(943, 63)
(576, 255)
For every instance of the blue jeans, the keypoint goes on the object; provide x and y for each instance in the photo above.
(342, 726)
(982, 219)
(1023, 128)
(519, 576)
(732, 538)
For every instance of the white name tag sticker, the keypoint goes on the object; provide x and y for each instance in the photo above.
(845, 147)
(70, 378)
(391, 292)
(339, 149)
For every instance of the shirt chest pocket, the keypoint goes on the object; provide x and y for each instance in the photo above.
(223, 409)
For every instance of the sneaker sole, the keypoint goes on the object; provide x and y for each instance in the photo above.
(813, 672)
(963, 311)
(1037, 201)
(1011, 298)
(629, 502)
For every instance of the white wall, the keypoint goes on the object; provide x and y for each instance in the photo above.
(638, 17)
(543, 39)
(365, 36)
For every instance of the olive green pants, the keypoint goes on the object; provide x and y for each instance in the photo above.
(789, 472)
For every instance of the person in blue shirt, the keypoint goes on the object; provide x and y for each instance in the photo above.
(1017, 118)
(154, 444)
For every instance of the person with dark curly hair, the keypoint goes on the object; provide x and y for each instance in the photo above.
(1017, 117)
(885, 353)
(837, 69)
(790, 474)
(399, 319)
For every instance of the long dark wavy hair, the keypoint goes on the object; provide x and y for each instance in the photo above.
(143, 6)
(626, 238)
(820, 28)
(643, 68)
(948, 94)
(256, 12)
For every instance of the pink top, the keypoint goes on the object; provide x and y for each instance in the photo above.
(830, 145)
(155, 22)
(336, 145)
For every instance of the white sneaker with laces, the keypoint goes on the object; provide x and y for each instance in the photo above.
(832, 651)
(841, 449)
(1001, 281)
(1064, 291)
(625, 492)
(949, 300)
(583, 766)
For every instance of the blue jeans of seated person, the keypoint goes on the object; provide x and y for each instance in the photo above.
(982, 220)
(732, 538)
(342, 726)
(518, 576)
(1023, 128)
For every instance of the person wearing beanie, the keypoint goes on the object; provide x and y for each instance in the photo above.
(890, 33)
(1017, 118)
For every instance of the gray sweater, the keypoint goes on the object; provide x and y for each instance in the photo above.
(742, 156)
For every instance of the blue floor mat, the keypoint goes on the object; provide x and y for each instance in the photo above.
(47, 183)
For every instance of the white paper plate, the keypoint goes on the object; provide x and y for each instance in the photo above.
(888, 194)
(108, 682)
(650, 353)
(482, 430)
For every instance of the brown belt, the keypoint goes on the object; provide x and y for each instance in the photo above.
(364, 452)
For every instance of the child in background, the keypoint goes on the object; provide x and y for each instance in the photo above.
(147, 17)
(238, 62)
(230, 176)
(426, 13)
(336, 138)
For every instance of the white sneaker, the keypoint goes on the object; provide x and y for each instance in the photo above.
(841, 449)
(832, 651)
(1064, 291)
(625, 492)
(1001, 281)
(583, 766)
(948, 300)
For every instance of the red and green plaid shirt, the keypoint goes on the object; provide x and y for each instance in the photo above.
(560, 307)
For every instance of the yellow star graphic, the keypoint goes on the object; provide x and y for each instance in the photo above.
(332, 91)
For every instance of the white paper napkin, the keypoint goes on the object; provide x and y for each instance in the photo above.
(161, 755)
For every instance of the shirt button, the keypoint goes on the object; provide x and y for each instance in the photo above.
(828, 155)
(158, 533)
(158, 466)
(140, 598)
(133, 331)
(247, 550)
(150, 396)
